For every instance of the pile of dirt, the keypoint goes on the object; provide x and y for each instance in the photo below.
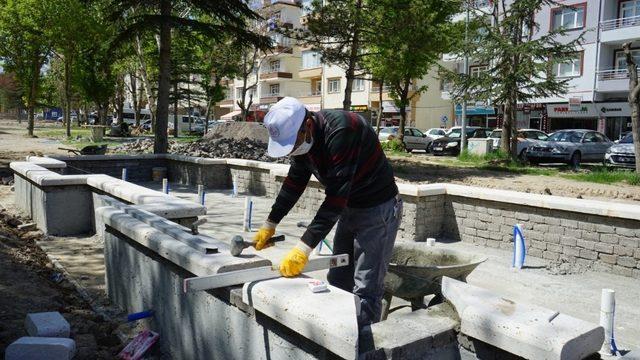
(226, 148)
(239, 131)
(29, 283)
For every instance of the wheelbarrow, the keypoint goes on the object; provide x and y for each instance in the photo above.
(89, 150)
(416, 270)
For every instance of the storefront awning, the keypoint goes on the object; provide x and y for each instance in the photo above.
(476, 110)
(230, 115)
(390, 107)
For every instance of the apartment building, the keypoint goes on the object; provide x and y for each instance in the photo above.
(598, 79)
(297, 71)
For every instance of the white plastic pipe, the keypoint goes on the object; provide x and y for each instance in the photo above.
(165, 186)
(234, 192)
(431, 242)
(607, 309)
(248, 204)
(124, 174)
(201, 194)
(519, 248)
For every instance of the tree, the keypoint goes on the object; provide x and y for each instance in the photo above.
(228, 17)
(411, 37)
(339, 30)
(519, 57)
(24, 46)
(10, 94)
(634, 100)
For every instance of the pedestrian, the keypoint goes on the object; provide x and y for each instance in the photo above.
(343, 152)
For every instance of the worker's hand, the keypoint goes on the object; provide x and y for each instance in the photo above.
(295, 260)
(264, 234)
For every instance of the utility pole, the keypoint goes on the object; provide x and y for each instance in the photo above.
(463, 133)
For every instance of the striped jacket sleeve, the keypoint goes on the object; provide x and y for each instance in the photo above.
(342, 144)
(291, 190)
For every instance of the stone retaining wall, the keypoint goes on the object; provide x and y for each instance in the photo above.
(604, 243)
(138, 169)
(213, 176)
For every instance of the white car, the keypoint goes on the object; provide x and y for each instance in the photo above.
(526, 138)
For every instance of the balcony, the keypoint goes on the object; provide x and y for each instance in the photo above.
(620, 30)
(270, 97)
(226, 103)
(275, 73)
(311, 72)
(615, 80)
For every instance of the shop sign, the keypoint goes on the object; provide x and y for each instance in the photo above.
(575, 103)
(602, 125)
(614, 109)
(359, 108)
(565, 111)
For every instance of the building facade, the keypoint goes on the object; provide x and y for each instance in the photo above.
(597, 76)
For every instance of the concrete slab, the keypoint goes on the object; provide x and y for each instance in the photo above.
(47, 162)
(326, 318)
(422, 334)
(38, 348)
(47, 324)
(530, 331)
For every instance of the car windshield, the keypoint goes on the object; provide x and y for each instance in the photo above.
(388, 130)
(627, 139)
(566, 136)
(455, 133)
(496, 134)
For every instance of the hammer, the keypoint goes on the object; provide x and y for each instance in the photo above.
(238, 244)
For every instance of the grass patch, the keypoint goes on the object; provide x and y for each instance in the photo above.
(602, 175)
(499, 161)
(61, 133)
(185, 138)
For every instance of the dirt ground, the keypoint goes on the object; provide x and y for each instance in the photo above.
(420, 169)
(29, 282)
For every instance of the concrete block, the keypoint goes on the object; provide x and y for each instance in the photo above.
(422, 334)
(326, 318)
(529, 331)
(604, 248)
(609, 259)
(47, 324)
(38, 348)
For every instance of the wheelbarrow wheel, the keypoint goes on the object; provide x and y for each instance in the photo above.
(437, 299)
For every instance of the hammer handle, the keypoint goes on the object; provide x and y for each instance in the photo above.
(276, 239)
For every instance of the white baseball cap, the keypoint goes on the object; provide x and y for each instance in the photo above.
(283, 122)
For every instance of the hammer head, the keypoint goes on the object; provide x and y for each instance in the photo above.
(237, 245)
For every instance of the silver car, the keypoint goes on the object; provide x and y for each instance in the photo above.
(621, 154)
(526, 139)
(414, 139)
(571, 147)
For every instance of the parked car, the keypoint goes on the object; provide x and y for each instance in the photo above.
(450, 144)
(572, 147)
(622, 153)
(414, 139)
(526, 139)
(73, 116)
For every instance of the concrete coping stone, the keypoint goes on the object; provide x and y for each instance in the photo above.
(195, 160)
(326, 318)
(47, 162)
(24, 168)
(174, 250)
(110, 157)
(37, 348)
(530, 331)
(137, 194)
(47, 324)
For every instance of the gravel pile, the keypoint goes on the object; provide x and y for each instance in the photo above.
(239, 131)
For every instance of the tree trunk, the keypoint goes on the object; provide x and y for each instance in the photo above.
(134, 98)
(353, 57)
(33, 93)
(31, 110)
(505, 139)
(161, 144)
(206, 116)
(380, 108)
(148, 90)
(67, 95)
(119, 101)
(189, 102)
(634, 101)
(176, 123)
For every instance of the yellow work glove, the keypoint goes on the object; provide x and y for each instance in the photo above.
(264, 234)
(295, 260)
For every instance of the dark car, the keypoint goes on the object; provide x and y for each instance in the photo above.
(450, 144)
(571, 147)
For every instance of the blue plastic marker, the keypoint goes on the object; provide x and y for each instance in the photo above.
(124, 174)
(139, 315)
(519, 248)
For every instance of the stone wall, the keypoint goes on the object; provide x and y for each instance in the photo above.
(138, 169)
(603, 243)
(213, 176)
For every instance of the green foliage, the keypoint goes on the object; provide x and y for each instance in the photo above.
(602, 175)
(393, 145)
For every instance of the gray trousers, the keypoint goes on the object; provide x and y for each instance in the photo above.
(367, 235)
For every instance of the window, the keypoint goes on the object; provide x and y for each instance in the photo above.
(570, 17)
(475, 71)
(274, 89)
(239, 93)
(334, 86)
(601, 138)
(629, 8)
(417, 133)
(569, 68)
(274, 66)
(621, 61)
(358, 85)
(316, 87)
(310, 59)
